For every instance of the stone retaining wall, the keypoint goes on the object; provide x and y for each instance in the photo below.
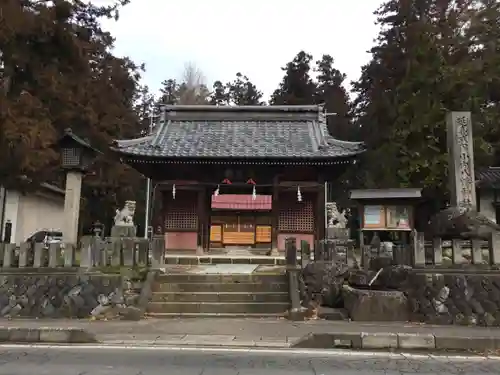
(68, 295)
(454, 298)
(399, 293)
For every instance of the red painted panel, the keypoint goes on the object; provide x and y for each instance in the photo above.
(306, 237)
(180, 241)
(242, 202)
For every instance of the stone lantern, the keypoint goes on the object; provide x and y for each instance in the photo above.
(76, 157)
(76, 153)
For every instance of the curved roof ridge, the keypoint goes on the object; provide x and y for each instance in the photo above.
(133, 142)
(241, 108)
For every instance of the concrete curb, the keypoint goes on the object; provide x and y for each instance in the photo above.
(396, 341)
(46, 335)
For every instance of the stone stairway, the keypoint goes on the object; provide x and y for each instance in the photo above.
(223, 295)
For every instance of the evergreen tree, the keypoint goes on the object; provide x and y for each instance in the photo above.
(57, 71)
(420, 69)
(243, 92)
(219, 95)
(240, 91)
(331, 92)
(297, 86)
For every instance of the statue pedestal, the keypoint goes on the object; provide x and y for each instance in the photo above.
(123, 231)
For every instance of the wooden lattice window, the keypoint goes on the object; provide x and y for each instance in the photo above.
(297, 217)
(181, 214)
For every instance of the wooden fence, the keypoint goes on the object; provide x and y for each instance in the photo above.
(90, 252)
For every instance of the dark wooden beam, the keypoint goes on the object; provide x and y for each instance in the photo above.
(320, 211)
(201, 208)
(275, 212)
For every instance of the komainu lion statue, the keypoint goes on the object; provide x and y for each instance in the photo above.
(125, 217)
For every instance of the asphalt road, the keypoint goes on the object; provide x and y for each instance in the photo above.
(144, 361)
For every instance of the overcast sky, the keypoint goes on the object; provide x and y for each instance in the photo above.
(254, 37)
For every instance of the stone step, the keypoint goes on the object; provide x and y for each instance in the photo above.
(218, 307)
(220, 287)
(220, 297)
(328, 313)
(209, 315)
(221, 278)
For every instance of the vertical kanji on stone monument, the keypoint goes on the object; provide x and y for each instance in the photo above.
(461, 154)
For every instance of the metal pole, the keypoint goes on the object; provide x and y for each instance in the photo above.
(326, 204)
(148, 184)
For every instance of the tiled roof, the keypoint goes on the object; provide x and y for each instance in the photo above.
(241, 132)
(488, 177)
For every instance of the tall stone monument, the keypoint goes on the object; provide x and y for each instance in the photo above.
(461, 164)
(461, 219)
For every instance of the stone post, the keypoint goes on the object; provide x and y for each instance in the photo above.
(461, 156)
(494, 248)
(292, 269)
(116, 257)
(54, 254)
(24, 250)
(418, 249)
(85, 252)
(437, 245)
(128, 251)
(157, 251)
(8, 254)
(72, 206)
(476, 252)
(38, 257)
(69, 255)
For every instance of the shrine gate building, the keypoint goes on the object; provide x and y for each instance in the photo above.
(228, 177)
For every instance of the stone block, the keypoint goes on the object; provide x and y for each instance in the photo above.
(375, 305)
(24, 335)
(4, 334)
(379, 340)
(416, 341)
(81, 336)
(123, 231)
(466, 343)
(54, 335)
(328, 341)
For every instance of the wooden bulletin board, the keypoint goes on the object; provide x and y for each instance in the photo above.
(387, 217)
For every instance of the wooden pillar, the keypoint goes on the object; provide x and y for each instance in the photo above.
(157, 209)
(202, 213)
(203, 208)
(275, 212)
(208, 210)
(320, 211)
